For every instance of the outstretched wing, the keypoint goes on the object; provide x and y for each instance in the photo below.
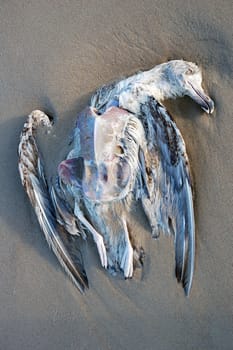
(167, 195)
(59, 232)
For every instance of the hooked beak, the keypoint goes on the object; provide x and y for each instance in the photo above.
(199, 96)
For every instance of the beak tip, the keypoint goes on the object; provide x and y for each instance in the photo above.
(209, 106)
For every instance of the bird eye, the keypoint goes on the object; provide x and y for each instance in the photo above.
(189, 71)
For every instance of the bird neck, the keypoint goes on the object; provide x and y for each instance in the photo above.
(159, 84)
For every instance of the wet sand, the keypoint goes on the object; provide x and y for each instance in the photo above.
(53, 55)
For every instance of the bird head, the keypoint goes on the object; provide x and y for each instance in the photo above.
(185, 78)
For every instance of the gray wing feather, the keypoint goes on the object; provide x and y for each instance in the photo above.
(33, 179)
(105, 94)
(169, 206)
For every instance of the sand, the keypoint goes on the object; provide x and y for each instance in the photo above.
(53, 55)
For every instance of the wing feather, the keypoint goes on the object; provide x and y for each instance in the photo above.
(169, 206)
(33, 179)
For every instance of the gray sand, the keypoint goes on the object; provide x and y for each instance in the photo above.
(53, 54)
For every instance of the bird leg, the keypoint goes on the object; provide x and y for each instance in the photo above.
(127, 258)
(98, 239)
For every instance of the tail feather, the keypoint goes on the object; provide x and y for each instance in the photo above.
(33, 179)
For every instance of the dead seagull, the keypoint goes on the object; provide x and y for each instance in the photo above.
(126, 147)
